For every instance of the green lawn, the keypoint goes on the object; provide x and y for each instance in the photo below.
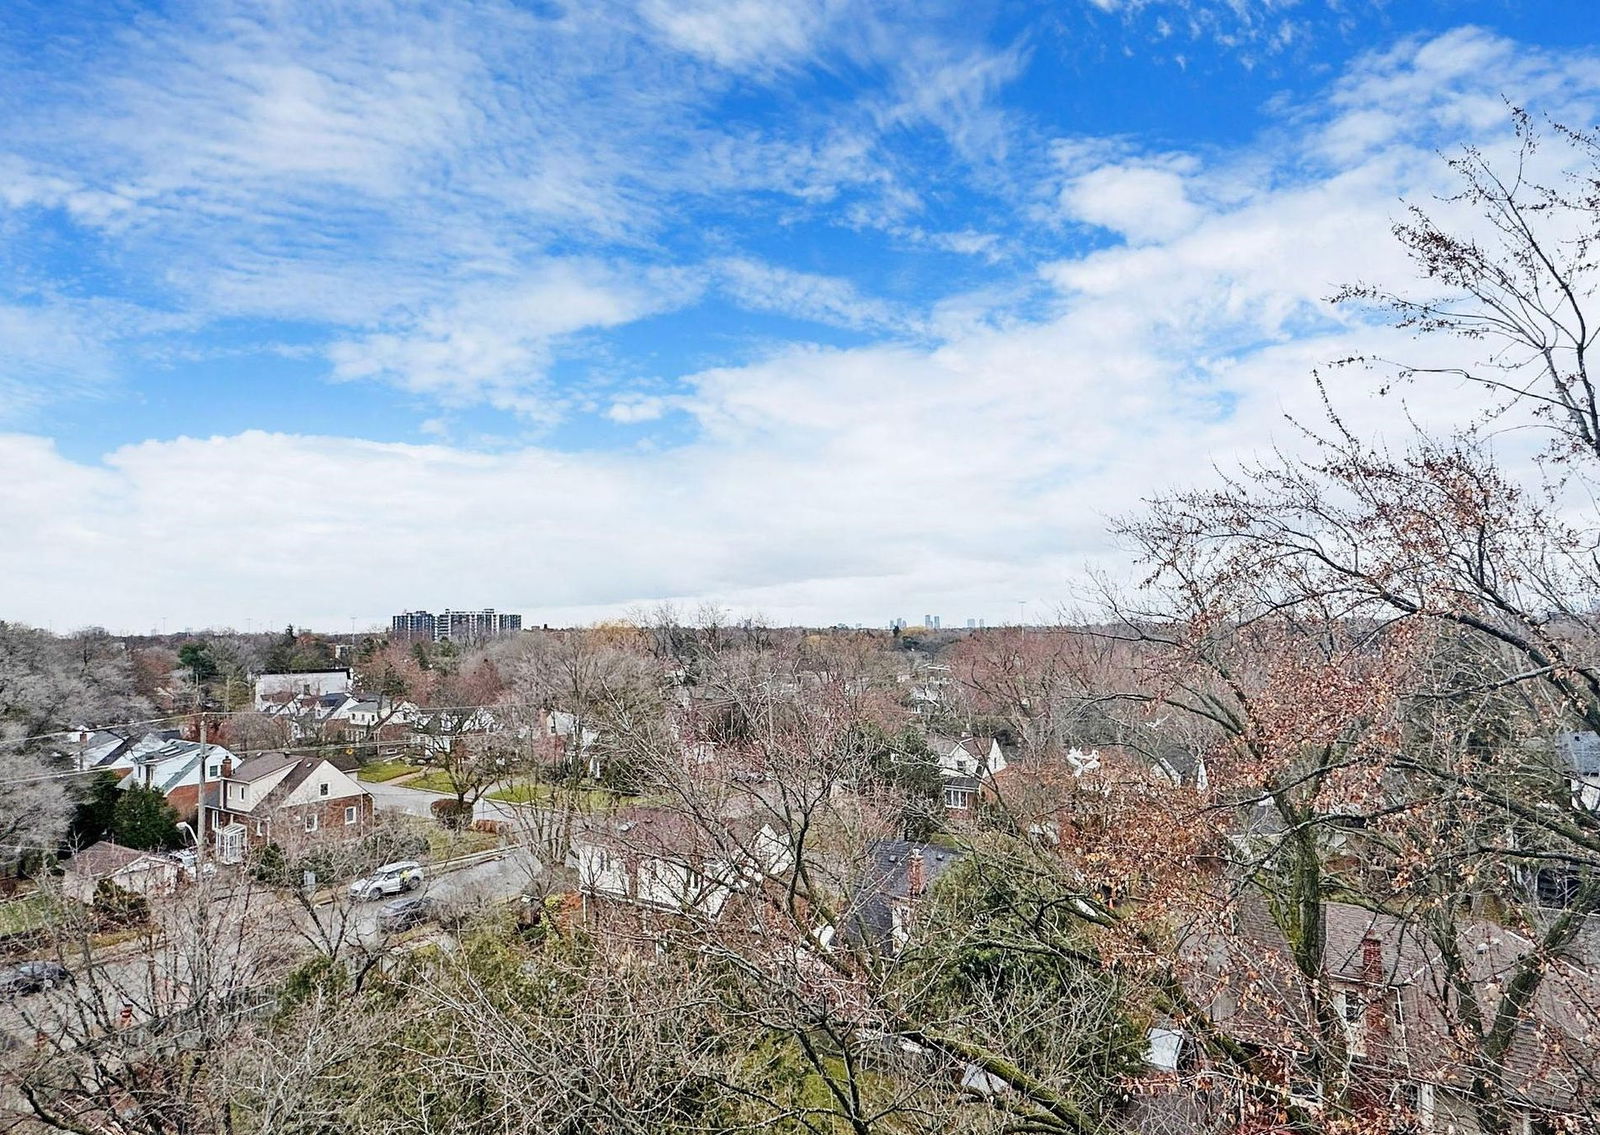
(380, 771)
(436, 781)
(532, 792)
(24, 914)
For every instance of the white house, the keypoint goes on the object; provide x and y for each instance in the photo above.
(1581, 752)
(165, 762)
(969, 756)
(281, 686)
(663, 860)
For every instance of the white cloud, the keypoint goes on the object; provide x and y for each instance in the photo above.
(52, 351)
(815, 484)
(635, 409)
(808, 295)
(740, 34)
(1142, 202)
(494, 341)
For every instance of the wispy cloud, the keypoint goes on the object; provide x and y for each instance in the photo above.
(963, 451)
(495, 341)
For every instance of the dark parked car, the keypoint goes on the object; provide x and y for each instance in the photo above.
(32, 977)
(402, 914)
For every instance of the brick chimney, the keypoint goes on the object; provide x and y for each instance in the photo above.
(1380, 998)
(227, 767)
(916, 883)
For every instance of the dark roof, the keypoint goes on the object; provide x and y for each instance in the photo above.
(887, 881)
(260, 765)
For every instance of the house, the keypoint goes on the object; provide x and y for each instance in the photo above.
(95, 747)
(666, 861)
(284, 799)
(966, 764)
(172, 768)
(1580, 754)
(276, 687)
(967, 756)
(1384, 977)
(142, 872)
(434, 731)
(160, 759)
(897, 873)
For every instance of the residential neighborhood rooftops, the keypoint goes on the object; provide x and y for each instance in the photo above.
(106, 858)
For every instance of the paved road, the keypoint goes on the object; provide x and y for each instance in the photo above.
(474, 887)
(153, 977)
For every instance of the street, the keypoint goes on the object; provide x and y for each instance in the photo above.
(220, 939)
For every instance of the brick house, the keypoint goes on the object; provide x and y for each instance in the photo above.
(284, 799)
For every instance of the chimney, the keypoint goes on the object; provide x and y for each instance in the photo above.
(1372, 960)
(915, 882)
(1381, 1001)
(227, 767)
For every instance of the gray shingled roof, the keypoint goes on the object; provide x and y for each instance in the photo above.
(99, 860)
(260, 765)
(887, 881)
(1581, 751)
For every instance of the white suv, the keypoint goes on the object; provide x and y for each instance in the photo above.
(390, 879)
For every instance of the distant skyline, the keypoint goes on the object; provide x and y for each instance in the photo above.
(827, 311)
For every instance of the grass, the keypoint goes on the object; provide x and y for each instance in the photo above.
(21, 915)
(436, 781)
(544, 795)
(380, 771)
(446, 844)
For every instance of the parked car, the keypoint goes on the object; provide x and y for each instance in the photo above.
(402, 914)
(32, 977)
(390, 879)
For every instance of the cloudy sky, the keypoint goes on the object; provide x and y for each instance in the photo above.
(828, 310)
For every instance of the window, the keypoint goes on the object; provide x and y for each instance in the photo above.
(213, 771)
(311, 821)
(322, 790)
(261, 828)
(958, 798)
(350, 815)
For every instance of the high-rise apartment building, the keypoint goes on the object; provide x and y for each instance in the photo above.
(415, 625)
(456, 626)
(467, 626)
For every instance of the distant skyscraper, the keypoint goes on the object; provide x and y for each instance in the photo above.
(509, 624)
(972, 624)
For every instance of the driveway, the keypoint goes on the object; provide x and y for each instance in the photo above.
(416, 802)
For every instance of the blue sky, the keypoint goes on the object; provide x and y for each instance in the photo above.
(831, 311)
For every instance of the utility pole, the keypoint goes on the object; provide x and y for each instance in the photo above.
(200, 820)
